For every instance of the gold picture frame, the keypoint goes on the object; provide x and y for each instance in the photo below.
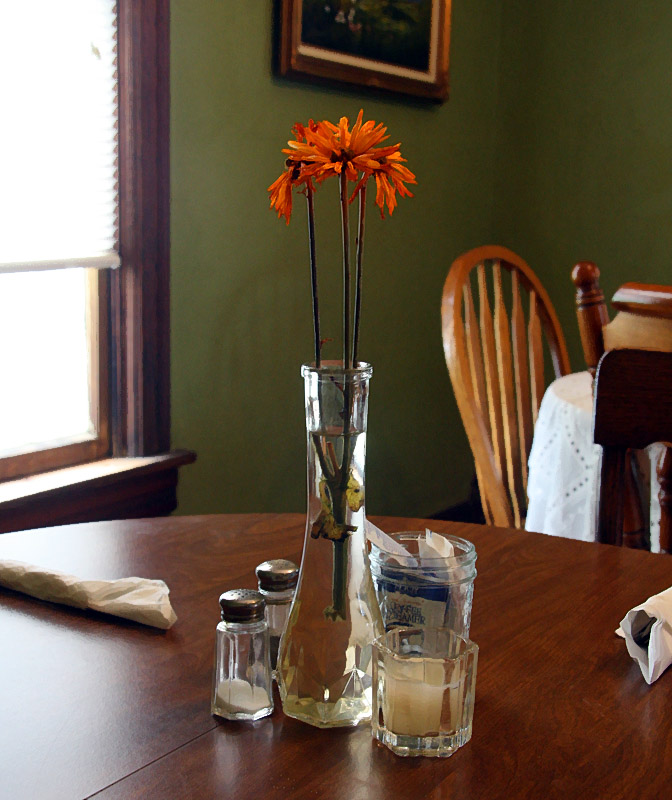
(393, 45)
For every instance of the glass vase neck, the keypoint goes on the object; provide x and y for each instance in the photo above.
(362, 371)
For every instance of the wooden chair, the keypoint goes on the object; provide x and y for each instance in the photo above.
(496, 367)
(644, 322)
(633, 409)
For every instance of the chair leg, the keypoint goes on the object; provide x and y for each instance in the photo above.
(610, 512)
(664, 471)
(636, 533)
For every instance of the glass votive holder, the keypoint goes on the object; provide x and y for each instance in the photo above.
(429, 592)
(424, 682)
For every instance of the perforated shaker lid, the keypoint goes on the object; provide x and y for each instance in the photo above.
(242, 605)
(277, 575)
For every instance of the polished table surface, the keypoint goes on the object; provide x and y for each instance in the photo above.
(95, 706)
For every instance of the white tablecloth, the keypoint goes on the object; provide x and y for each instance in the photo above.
(564, 465)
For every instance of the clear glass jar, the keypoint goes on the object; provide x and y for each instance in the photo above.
(277, 584)
(242, 687)
(425, 592)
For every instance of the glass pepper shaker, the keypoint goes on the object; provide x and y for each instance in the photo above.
(242, 685)
(277, 583)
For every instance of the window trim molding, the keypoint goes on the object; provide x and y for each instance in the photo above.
(140, 288)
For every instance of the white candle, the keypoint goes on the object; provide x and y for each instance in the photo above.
(239, 697)
(413, 698)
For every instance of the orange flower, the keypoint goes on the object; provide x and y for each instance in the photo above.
(322, 150)
(281, 188)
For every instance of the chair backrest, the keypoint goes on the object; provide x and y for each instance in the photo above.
(643, 321)
(496, 366)
(632, 409)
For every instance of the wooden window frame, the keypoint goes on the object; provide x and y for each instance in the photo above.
(140, 288)
(139, 476)
(131, 303)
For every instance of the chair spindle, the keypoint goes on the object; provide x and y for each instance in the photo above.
(506, 390)
(536, 357)
(521, 374)
(491, 381)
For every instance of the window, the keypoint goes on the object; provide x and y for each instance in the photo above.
(129, 414)
(58, 219)
(54, 407)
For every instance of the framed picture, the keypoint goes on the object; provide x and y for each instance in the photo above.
(395, 45)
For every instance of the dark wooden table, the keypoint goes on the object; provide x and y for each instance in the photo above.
(95, 706)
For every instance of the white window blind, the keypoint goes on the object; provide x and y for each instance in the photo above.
(58, 183)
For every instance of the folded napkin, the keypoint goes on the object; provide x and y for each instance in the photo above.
(383, 541)
(432, 546)
(435, 546)
(139, 599)
(647, 630)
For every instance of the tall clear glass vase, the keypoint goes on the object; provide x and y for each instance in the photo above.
(324, 661)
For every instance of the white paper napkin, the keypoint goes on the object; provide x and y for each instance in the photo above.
(656, 656)
(435, 546)
(430, 548)
(386, 543)
(139, 599)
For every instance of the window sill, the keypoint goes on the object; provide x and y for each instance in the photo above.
(113, 488)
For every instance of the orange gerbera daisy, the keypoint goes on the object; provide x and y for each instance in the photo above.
(294, 175)
(322, 150)
(281, 190)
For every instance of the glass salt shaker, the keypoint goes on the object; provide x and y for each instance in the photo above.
(277, 583)
(242, 685)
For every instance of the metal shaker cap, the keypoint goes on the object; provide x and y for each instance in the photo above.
(242, 605)
(277, 575)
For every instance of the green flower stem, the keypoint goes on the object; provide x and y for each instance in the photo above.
(313, 272)
(337, 486)
(358, 280)
(340, 507)
(337, 479)
(317, 444)
(347, 364)
(347, 454)
(332, 457)
(340, 571)
(346, 270)
(340, 579)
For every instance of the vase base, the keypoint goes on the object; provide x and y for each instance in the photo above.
(345, 712)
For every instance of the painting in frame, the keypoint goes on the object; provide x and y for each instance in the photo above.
(394, 45)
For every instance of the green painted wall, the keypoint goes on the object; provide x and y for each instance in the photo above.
(584, 148)
(556, 141)
(241, 323)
